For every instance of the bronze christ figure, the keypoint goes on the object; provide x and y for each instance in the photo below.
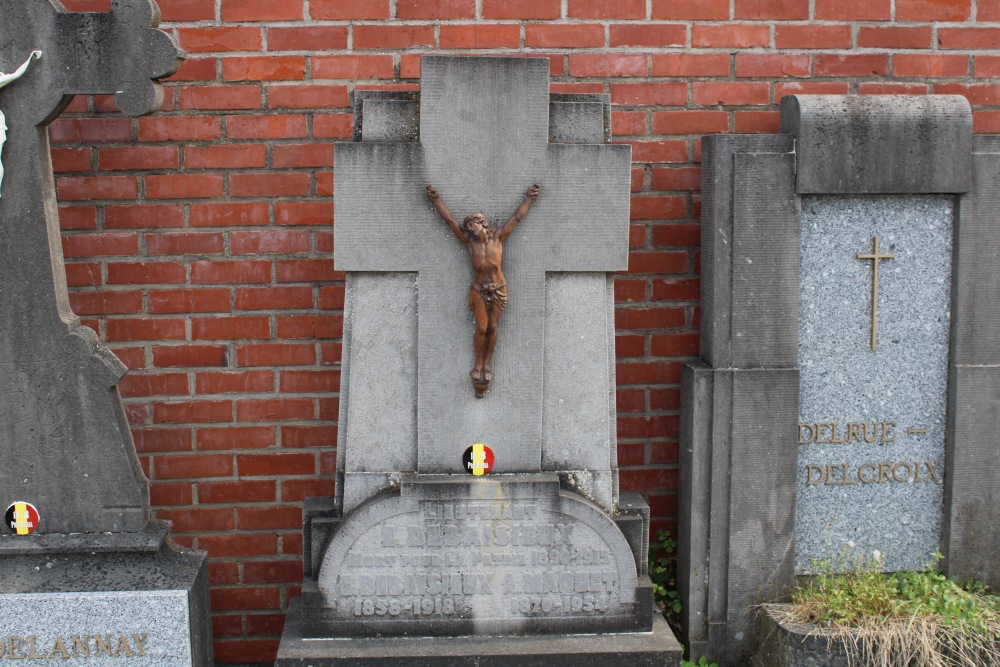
(488, 291)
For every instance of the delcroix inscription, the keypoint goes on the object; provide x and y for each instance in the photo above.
(872, 432)
(31, 647)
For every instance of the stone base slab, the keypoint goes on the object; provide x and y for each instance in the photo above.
(658, 648)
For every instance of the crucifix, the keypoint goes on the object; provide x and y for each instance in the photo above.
(875, 256)
(65, 444)
(483, 142)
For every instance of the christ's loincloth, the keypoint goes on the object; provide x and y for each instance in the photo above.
(494, 295)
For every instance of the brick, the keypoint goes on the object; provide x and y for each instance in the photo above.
(660, 261)
(310, 326)
(985, 94)
(83, 274)
(236, 437)
(273, 298)
(685, 234)
(242, 491)
(608, 64)
(220, 98)
(138, 385)
(988, 10)
(303, 213)
(184, 243)
(780, 10)
(711, 93)
(188, 10)
(333, 126)
(690, 64)
(267, 624)
(812, 36)
(199, 519)
(234, 382)
(309, 381)
(306, 96)
(285, 156)
(100, 244)
(143, 216)
(649, 94)
(106, 302)
(79, 217)
(205, 300)
(690, 122)
(180, 128)
(340, 10)
(676, 289)
(690, 10)
(294, 437)
(232, 156)
(90, 188)
(178, 493)
(220, 39)
(307, 270)
(229, 214)
(65, 160)
(649, 318)
(968, 38)
(985, 67)
(195, 69)
(215, 272)
(183, 186)
(771, 65)
(683, 178)
(577, 35)
(648, 372)
(674, 345)
(145, 328)
(894, 37)
(606, 9)
(193, 466)
(297, 490)
(138, 157)
(176, 356)
(878, 88)
(655, 208)
(625, 123)
(307, 38)
(435, 9)
(521, 9)
(269, 184)
(394, 36)
(809, 88)
(270, 571)
(234, 11)
(732, 35)
(256, 465)
(269, 518)
(224, 599)
(933, 10)
(146, 273)
(986, 122)
(277, 241)
(634, 480)
(852, 10)
(245, 650)
(89, 130)
(271, 126)
(928, 65)
(264, 68)
(328, 462)
(135, 359)
(242, 546)
(231, 328)
(672, 150)
(481, 36)
(647, 427)
(668, 34)
(275, 354)
(353, 67)
(852, 65)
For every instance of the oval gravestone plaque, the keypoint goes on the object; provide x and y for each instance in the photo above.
(509, 555)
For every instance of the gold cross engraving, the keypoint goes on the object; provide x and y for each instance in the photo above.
(875, 256)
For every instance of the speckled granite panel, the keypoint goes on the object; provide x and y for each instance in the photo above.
(99, 629)
(869, 483)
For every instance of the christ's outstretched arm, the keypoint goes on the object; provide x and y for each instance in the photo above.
(445, 213)
(522, 210)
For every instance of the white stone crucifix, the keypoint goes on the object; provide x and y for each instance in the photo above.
(4, 80)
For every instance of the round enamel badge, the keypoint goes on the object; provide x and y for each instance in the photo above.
(21, 518)
(478, 460)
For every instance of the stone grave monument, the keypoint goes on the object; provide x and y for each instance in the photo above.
(849, 380)
(86, 574)
(477, 518)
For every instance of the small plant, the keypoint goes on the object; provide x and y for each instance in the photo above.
(902, 618)
(702, 662)
(663, 573)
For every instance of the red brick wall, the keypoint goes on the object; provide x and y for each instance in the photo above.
(198, 241)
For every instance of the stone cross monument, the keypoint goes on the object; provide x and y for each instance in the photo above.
(542, 543)
(78, 540)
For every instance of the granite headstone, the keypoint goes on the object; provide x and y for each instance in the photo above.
(844, 357)
(542, 544)
(80, 556)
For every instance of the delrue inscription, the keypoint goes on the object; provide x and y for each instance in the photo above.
(31, 647)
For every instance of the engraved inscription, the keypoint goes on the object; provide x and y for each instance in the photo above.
(78, 647)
